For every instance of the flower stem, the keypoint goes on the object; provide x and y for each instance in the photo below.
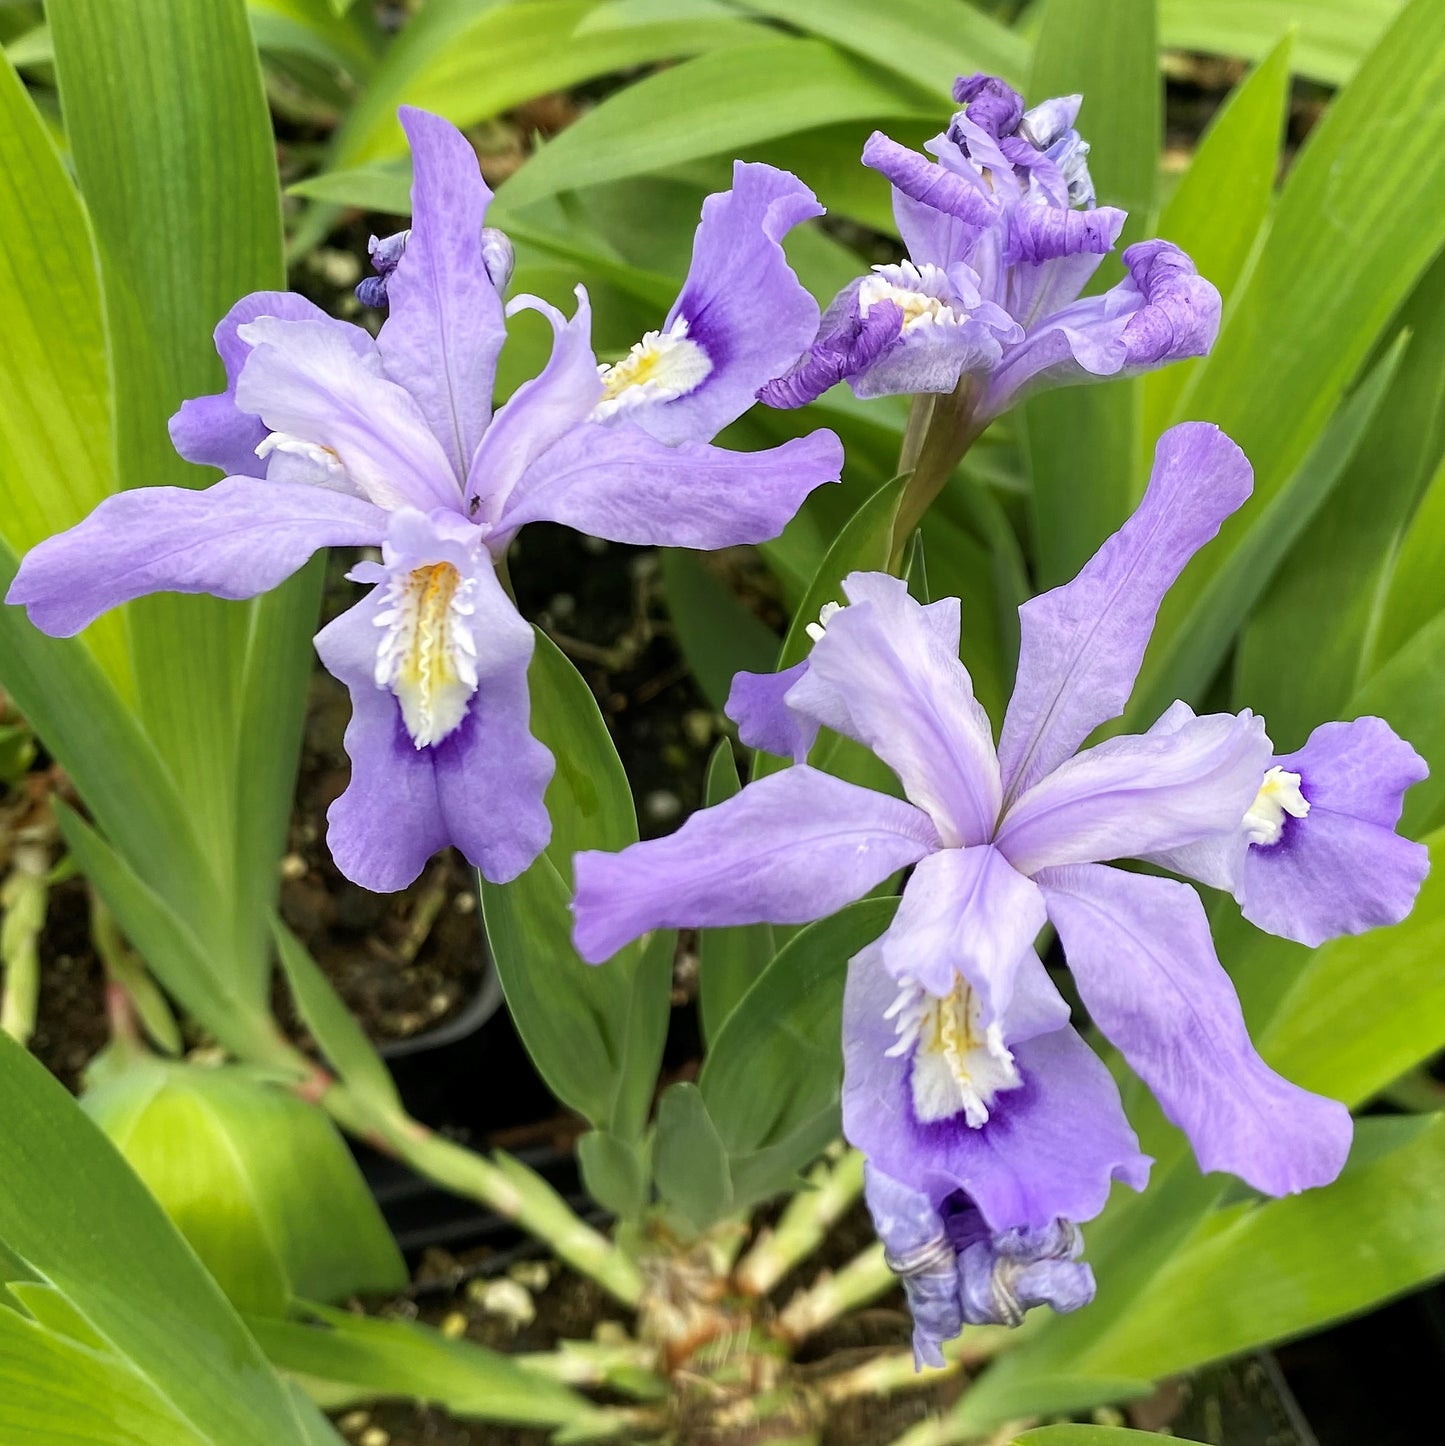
(860, 1282)
(804, 1225)
(950, 431)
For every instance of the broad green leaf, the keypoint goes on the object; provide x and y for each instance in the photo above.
(468, 62)
(180, 1367)
(594, 1033)
(1238, 156)
(1003, 1394)
(1071, 1435)
(1335, 266)
(57, 443)
(689, 1158)
(924, 41)
(718, 633)
(337, 1033)
(312, 28)
(1291, 670)
(1292, 1265)
(1188, 648)
(729, 959)
(1334, 36)
(616, 1172)
(394, 1358)
(1366, 1008)
(1416, 591)
(692, 110)
(778, 1060)
(1081, 440)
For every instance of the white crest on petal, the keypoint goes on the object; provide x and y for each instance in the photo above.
(661, 367)
(957, 1066)
(427, 656)
(1278, 795)
(325, 466)
(921, 293)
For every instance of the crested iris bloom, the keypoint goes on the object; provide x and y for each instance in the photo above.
(961, 1073)
(1002, 235)
(328, 437)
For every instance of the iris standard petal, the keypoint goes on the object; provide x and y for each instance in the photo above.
(1050, 1148)
(790, 848)
(757, 703)
(237, 538)
(1082, 643)
(1140, 951)
(539, 413)
(213, 431)
(317, 388)
(1140, 794)
(444, 328)
(965, 912)
(620, 483)
(1341, 869)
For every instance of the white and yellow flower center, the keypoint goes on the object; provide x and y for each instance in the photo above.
(661, 367)
(427, 656)
(817, 629)
(329, 464)
(1278, 795)
(958, 1066)
(918, 292)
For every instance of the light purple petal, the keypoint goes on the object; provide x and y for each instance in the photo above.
(306, 380)
(741, 303)
(620, 483)
(1052, 252)
(1341, 869)
(757, 704)
(481, 787)
(1141, 953)
(213, 431)
(1140, 794)
(1082, 643)
(847, 345)
(1050, 1148)
(965, 912)
(790, 848)
(444, 328)
(887, 674)
(237, 538)
(540, 412)
(965, 198)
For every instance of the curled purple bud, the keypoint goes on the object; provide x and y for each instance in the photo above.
(992, 105)
(385, 252)
(1005, 1275)
(497, 256)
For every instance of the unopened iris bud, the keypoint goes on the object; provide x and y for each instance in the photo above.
(385, 252)
(497, 256)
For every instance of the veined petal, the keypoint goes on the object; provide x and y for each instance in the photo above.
(1052, 251)
(444, 328)
(1141, 953)
(623, 484)
(237, 538)
(1341, 869)
(1140, 794)
(887, 673)
(540, 412)
(314, 386)
(965, 913)
(930, 184)
(790, 848)
(847, 345)
(757, 703)
(213, 431)
(1082, 643)
(1050, 1148)
(741, 304)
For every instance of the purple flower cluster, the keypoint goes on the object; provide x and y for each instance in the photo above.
(1002, 235)
(330, 438)
(964, 1083)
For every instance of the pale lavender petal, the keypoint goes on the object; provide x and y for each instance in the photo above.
(620, 483)
(790, 848)
(1341, 869)
(213, 431)
(539, 413)
(757, 704)
(741, 303)
(1052, 252)
(445, 328)
(1050, 1148)
(1082, 643)
(307, 381)
(965, 912)
(1140, 951)
(237, 538)
(1140, 794)
(887, 674)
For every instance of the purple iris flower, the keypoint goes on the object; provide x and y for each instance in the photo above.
(329, 437)
(961, 1072)
(1002, 235)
